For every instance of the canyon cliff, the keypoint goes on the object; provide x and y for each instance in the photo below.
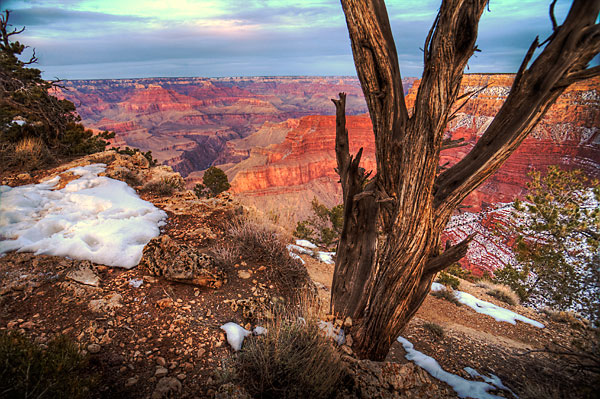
(186, 122)
(284, 177)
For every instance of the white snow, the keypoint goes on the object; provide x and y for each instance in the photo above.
(92, 218)
(326, 257)
(492, 379)
(331, 331)
(299, 249)
(136, 282)
(464, 388)
(487, 308)
(258, 330)
(306, 244)
(302, 248)
(296, 256)
(235, 334)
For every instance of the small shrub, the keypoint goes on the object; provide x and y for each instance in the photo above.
(164, 186)
(573, 319)
(456, 270)
(129, 177)
(132, 151)
(448, 295)
(28, 371)
(292, 360)
(503, 293)
(448, 280)
(31, 153)
(304, 231)
(226, 255)
(324, 227)
(214, 182)
(435, 329)
(262, 242)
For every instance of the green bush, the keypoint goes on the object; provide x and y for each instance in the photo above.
(456, 270)
(293, 360)
(214, 182)
(28, 371)
(324, 227)
(448, 280)
(133, 151)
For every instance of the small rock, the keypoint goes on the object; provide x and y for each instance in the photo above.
(167, 387)
(131, 382)
(244, 274)
(348, 322)
(187, 366)
(23, 176)
(85, 276)
(28, 325)
(161, 372)
(200, 352)
(181, 376)
(93, 348)
(164, 303)
(161, 361)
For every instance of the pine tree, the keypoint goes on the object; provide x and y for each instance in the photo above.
(557, 246)
(27, 109)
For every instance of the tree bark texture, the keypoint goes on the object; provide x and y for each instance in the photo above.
(388, 253)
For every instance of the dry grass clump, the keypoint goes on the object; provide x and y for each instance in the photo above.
(292, 360)
(30, 371)
(573, 319)
(501, 292)
(261, 241)
(448, 295)
(435, 329)
(165, 186)
(128, 176)
(30, 153)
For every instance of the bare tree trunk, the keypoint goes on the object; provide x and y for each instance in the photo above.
(388, 253)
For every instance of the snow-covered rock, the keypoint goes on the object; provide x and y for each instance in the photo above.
(235, 334)
(93, 218)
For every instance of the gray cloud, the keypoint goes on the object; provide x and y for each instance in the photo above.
(278, 41)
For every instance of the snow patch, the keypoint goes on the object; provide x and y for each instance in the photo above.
(326, 257)
(258, 330)
(294, 250)
(92, 218)
(306, 244)
(331, 331)
(487, 308)
(235, 334)
(464, 388)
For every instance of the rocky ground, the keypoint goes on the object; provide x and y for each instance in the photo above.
(153, 331)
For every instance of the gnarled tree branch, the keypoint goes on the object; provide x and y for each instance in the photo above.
(535, 89)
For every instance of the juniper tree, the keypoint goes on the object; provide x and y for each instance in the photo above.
(389, 249)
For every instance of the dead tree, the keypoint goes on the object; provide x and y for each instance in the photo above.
(389, 249)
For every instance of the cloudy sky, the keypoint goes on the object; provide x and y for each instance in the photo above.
(88, 39)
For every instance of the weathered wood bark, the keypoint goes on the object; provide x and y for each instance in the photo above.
(388, 253)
